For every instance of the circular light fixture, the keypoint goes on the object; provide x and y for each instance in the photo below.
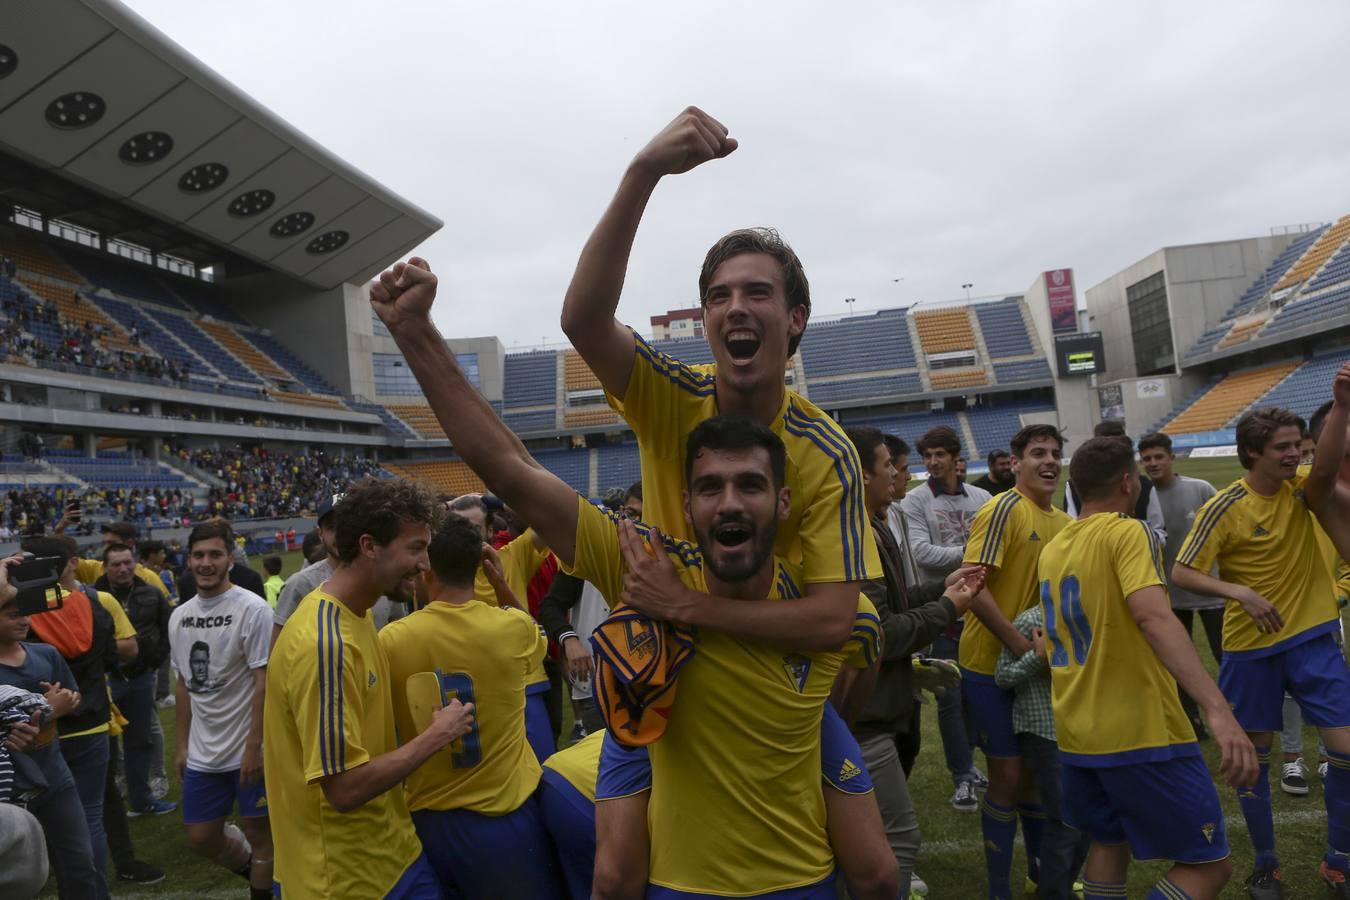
(327, 242)
(250, 203)
(146, 147)
(9, 60)
(203, 177)
(291, 224)
(78, 109)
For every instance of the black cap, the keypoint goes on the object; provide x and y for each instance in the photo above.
(328, 504)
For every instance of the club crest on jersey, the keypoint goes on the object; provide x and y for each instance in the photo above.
(640, 643)
(798, 668)
(371, 684)
(1207, 830)
(1260, 532)
(849, 770)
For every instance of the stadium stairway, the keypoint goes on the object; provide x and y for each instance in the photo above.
(1216, 407)
(151, 334)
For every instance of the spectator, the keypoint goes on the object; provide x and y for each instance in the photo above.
(1147, 508)
(1000, 476)
(273, 584)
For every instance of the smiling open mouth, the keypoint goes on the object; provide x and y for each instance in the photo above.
(742, 345)
(733, 534)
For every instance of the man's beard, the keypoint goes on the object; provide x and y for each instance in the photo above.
(761, 542)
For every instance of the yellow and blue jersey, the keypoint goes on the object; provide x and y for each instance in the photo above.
(579, 763)
(736, 806)
(827, 532)
(477, 654)
(328, 710)
(1271, 545)
(520, 559)
(1087, 574)
(1007, 536)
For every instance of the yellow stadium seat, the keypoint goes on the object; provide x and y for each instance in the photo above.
(77, 311)
(1316, 256)
(1217, 406)
(443, 476)
(585, 418)
(945, 330)
(248, 354)
(577, 376)
(307, 399)
(419, 418)
(37, 260)
(951, 379)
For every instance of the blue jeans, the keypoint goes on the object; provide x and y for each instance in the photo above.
(62, 817)
(136, 699)
(87, 757)
(952, 719)
(1063, 847)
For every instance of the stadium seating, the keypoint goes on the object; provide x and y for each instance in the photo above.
(291, 363)
(76, 311)
(866, 388)
(1004, 328)
(577, 376)
(200, 343)
(122, 278)
(909, 426)
(867, 343)
(620, 465)
(572, 466)
(694, 351)
(397, 427)
(306, 399)
(244, 351)
(1321, 250)
(202, 298)
(419, 418)
(117, 470)
(953, 379)
(1337, 269)
(530, 379)
(533, 421)
(447, 476)
(1309, 385)
(1304, 312)
(154, 337)
(994, 427)
(1243, 329)
(35, 259)
(1025, 370)
(1219, 405)
(590, 417)
(945, 330)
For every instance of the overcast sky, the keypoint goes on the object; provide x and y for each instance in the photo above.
(937, 143)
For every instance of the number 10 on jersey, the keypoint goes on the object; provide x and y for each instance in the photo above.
(1066, 622)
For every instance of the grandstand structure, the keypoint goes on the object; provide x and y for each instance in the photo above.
(1199, 334)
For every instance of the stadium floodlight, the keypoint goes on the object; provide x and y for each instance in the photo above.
(202, 178)
(78, 109)
(967, 286)
(9, 61)
(327, 242)
(251, 203)
(146, 147)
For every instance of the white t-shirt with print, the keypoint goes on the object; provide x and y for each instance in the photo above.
(216, 644)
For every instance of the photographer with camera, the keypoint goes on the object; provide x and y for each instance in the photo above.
(42, 670)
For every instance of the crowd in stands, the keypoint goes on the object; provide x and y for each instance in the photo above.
(262, 483)
(38, 509)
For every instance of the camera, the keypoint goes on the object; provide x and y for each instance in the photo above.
(34, 578)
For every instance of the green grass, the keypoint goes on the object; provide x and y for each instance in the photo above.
(951, 859)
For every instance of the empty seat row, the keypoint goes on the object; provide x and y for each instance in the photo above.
(1216, 407)
(1309, 386)
(1024, 370)
(1326, 244)
(538, 420)
(202, 344)
(530, 379)
(887, 387)
(945, 330)
(873, 342)
(122, 278)
(952, 379)
(449, 476)
(1004, 328)
(290, 362)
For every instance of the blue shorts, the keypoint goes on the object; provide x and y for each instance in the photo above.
(476, 855)
(569, 819)
(538, 728)
(625, 771)
(418, 882)
(210, 795)
(1166, 810)
(989, 715)
(821, 890)
(1314, 673)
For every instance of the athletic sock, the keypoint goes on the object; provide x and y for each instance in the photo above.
(1033, 826)
(999, 824)
(1103, 890)
(1255, 803)
(1166, 889)
(1337, 791)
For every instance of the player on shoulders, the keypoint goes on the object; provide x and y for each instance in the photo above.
(1007, 537)
(1280, 623)
(1134, 779)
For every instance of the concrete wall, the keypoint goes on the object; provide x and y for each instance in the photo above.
(1108, 312)
(491, 362)
(1148, 400)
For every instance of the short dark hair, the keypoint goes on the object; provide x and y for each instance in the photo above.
(379, 508)
(272, 565)
(1109, 428)
(940, 437)
(896, 446)
(1318, 417)
(466, 502)
(62, 546)
(455, 551)
(1155, 440)
(767, 241)
(110, 549)
(735, 433)
(634, 490)
(995, 455)
(866, 440)
(1098, 464)
(148, 548)
(312, 541)
(1256, 427)
(1031, 433)
(210, 530)
(613, 499)
(124, 530)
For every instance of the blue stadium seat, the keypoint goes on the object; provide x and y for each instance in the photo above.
(289, 361)
(1026, 370)
(111, 470)
(1337, 269)
(123, 278)
(530, 379)
(1304, 312)
(204, 346)
(1308, 386)
(202, 298)
(866, 343)
(155, 337)
(620, 465)
(540, 420)
(866, 388)
(572, 466)
(1004, 328)
(396, 426)
(690, 351)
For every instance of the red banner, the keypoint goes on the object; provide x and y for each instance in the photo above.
(1063, 306)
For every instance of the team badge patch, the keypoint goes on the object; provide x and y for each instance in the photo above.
(798, 667)
(372, 680)
(1260, 532)
(1207, 830)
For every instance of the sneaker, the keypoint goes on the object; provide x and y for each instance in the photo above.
(1294, 778)
(1322, 770)
(917, 886)
(1265, 884)
(1336, 880)
(159, 787)
(140, 873)
(578, 731)
(978, 778)
(157, 808)
(964, 799)
(167, 702)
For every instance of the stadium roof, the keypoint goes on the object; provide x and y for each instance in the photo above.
(93, 94)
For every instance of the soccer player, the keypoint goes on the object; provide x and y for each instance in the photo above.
(1133, 777)
(219, 640)
(331, 760)
(1006, 538)
(704, 841)
(473, 804)
(1279, 624)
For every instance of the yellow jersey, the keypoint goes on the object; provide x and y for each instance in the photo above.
(736, 805)
(1087, 574)
(328, 710)
(477, 654)
(1331, 558)
(1270, 545)
(1007, 535)
(520, 560)
(87, 571)
(579, 763)
(827, 532)
(122, 629)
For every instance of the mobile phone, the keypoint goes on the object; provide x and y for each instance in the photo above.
(73, 512)
(34, 579)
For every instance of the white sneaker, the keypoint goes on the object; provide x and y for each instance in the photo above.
(1294, 778)
(1322, 770)
(917, 886)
